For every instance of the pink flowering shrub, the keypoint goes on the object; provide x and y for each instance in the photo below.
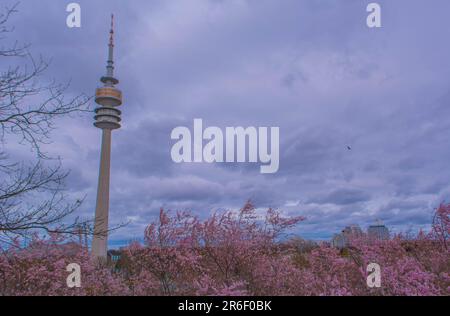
(235, 253)
(403, 270)
(40, 270)
(224, 254)
(167, 264)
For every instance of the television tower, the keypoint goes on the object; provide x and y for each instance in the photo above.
(107, 118)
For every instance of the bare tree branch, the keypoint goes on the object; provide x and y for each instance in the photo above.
(32, 198)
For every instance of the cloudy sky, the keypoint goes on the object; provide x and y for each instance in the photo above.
(311, 67)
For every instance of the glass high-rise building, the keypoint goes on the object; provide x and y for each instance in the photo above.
(378, 232)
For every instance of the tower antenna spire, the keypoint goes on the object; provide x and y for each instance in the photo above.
(111, 32)
(109, 80)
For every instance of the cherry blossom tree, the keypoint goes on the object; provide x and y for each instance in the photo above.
(235, 253)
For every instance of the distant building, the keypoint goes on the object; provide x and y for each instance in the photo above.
(378, 232)
(343, 239)
(114, 255)
(374, 232)
(339, 241)
(353, 230)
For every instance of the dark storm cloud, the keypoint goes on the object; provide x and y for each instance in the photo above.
(149, 153)
(343, 197)
(311, 67)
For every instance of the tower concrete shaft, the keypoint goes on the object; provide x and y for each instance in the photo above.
(107, 118)
(100, 241)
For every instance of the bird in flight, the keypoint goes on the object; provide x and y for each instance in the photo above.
(349, 148)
